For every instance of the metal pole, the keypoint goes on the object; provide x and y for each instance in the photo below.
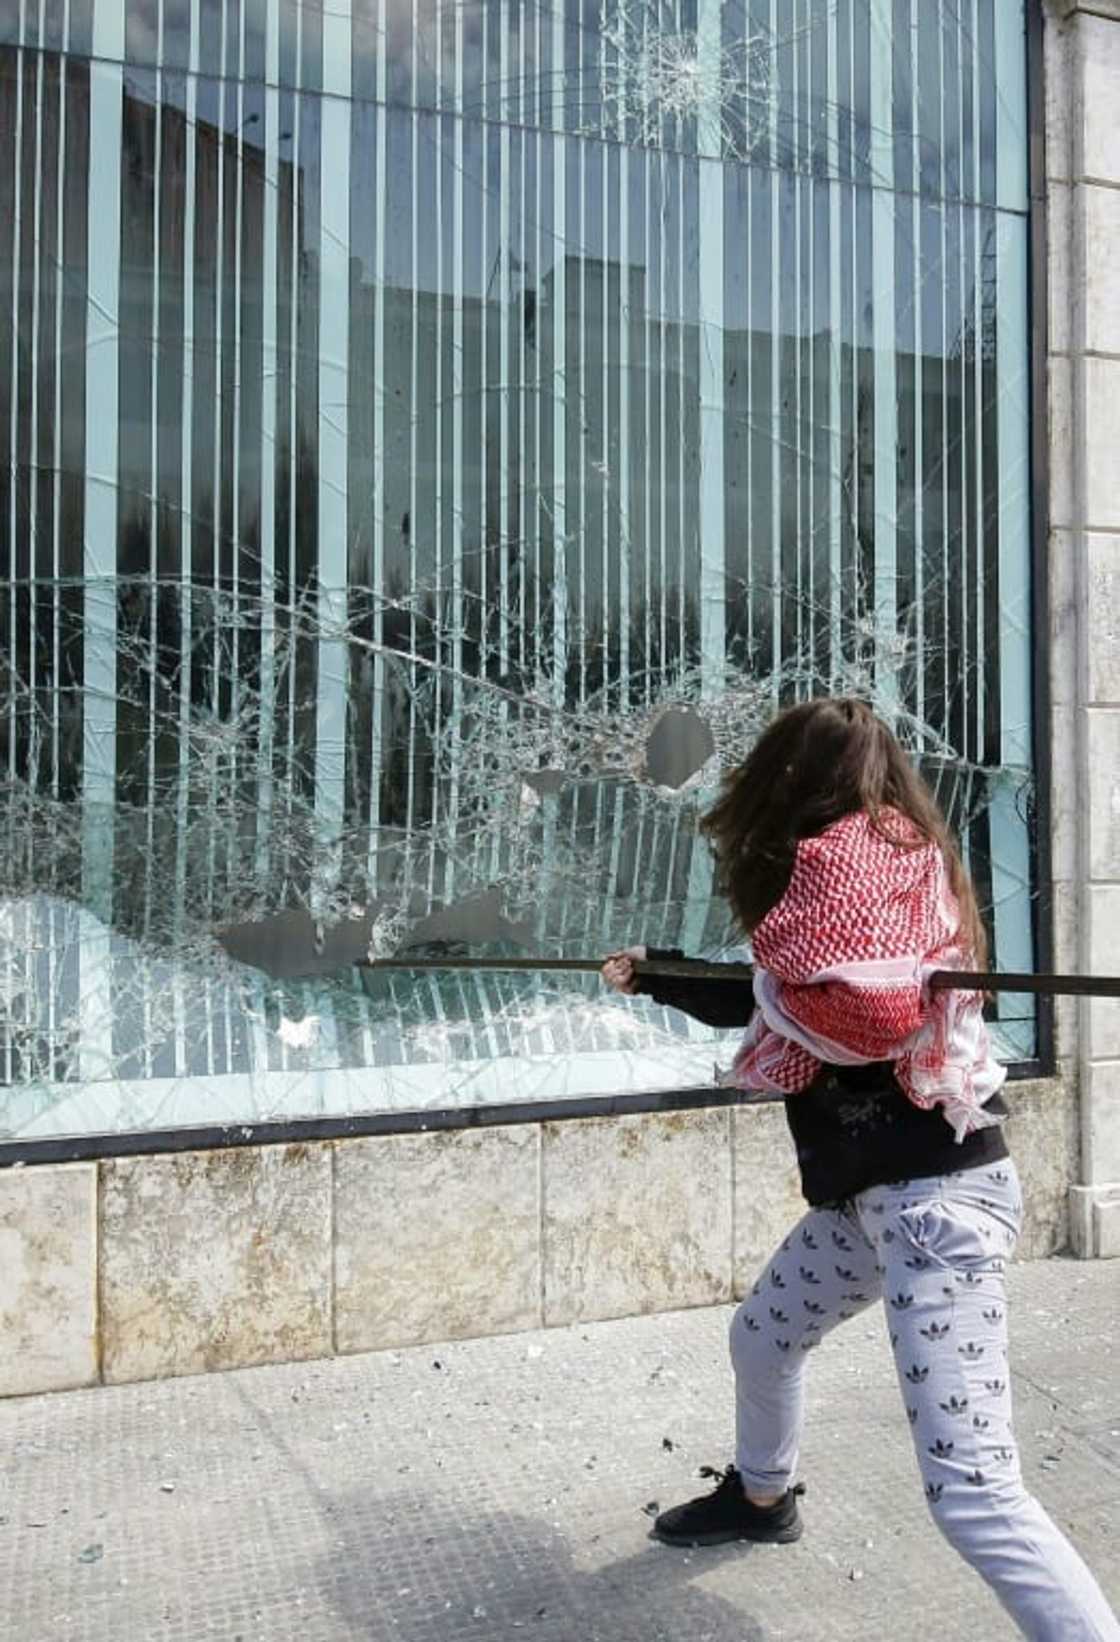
(942, 980)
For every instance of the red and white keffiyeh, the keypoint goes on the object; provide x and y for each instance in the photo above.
(841, 970)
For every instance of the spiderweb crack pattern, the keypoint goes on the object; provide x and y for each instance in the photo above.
(557, 840)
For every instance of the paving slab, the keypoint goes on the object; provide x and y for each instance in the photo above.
(498, 1490)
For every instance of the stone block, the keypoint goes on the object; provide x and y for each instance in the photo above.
(1106, 1216)
(1101, 1023)
(1100, 1122)
(767, 1193)
(1100, 431)
(1056, 44)
(437, 1236)
(1094, 1219)
(48, 1278)
(1082, 1232)
(1103, 615)
(215, 1259)
(1066, 909)
(637, 1214)
(1102, 904)
(1059, 273)
(1062, 444)
(1065, 811)
(1102, 741)
(1100, 230)
(1042, 1133)
(1064, 626)
(1097, 97)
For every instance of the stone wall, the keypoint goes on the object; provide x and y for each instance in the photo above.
(1082, 67)
(140, 1267)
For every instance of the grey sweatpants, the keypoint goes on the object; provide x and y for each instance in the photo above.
(933, 1251)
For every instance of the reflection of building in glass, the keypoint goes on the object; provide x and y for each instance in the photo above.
(391, 441)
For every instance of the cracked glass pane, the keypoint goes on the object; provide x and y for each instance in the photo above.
(438, 438)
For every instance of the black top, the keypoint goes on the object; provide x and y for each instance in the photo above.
(854, 1127)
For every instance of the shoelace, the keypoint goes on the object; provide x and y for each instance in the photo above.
(729, 1476)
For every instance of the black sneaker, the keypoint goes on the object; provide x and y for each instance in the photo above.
(727, 1513)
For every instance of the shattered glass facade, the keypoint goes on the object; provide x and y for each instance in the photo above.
(438, 437)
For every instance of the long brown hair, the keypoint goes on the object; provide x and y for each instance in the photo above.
(816, 763)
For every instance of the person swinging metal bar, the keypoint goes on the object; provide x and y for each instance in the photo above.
(864, 1013)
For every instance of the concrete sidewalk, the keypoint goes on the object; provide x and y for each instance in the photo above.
(494, 1490)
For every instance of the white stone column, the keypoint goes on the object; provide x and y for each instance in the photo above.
(1082, 41)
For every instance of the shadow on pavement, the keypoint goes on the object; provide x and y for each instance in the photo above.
(426, 1566)
(413, 1569)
